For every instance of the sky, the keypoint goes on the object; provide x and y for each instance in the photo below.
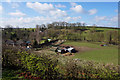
(30, 14)
(60, 0)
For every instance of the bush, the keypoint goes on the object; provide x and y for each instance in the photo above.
(72, 70)
(41, 66)
(87, 69)
(9, 57)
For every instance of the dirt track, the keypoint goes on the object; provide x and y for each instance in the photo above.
(80, 49)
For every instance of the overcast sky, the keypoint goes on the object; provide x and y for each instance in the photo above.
(28, 14)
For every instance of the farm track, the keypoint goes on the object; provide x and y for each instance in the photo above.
(81, 49)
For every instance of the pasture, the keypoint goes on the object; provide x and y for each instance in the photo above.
(43, 62)
(95, 52)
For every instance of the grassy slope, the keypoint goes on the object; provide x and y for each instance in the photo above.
(108, 54)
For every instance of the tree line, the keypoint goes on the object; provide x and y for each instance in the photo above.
(63, 30)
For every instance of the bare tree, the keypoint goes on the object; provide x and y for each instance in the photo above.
(78, 24)
(84, 24)
(37, 33)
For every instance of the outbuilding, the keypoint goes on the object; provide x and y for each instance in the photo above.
(10, 42)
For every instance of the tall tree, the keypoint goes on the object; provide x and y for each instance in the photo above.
(37, 31)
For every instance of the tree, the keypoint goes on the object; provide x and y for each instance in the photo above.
(108, 37)
(93, 29)
(78, 24)
(35, 44)
(83, 25)
(37, 33)
(49, 26)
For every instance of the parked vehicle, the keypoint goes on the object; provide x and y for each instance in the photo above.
(66, 49)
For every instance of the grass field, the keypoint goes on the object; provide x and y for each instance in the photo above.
(106, 54)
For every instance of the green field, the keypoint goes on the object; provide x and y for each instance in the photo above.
(106, 54)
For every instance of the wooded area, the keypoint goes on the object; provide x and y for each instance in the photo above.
(63, 31)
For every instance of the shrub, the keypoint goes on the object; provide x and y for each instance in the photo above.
(89, 69)
(9, 57)
(42, 66)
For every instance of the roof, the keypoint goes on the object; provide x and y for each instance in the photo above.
(19, 42)
(28, 42)
(9, 42)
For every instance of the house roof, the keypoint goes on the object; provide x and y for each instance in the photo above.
(9, 42)
(28, 42)
(19, 42)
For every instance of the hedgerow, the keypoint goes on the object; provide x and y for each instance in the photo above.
(55, 67)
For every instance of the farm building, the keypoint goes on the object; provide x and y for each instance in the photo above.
(10, 42)
(20, 43)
